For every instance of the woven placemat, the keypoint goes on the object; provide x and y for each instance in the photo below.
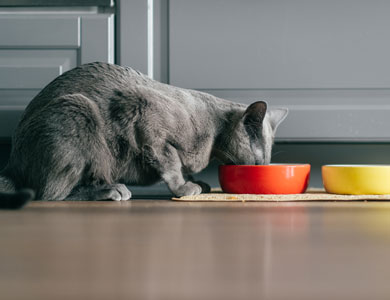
(310, 195)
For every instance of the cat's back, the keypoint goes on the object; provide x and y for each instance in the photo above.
(104, 86)
(97, 81)
(93, 79)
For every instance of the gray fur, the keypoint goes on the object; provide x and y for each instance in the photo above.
(100, 126)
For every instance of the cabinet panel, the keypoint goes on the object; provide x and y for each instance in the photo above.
(33, 69)
(335, 123)
(23, 73)
(324, 115)
(327, 61)
(19, 97)
(98, 39)
(13, 103)
(299, 44)
(27, 76)
(36, 48)
(39, 31)
(9, 118)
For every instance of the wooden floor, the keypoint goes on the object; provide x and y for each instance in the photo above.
(147, 249)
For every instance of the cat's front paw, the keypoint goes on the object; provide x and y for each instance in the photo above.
(204, 186)
(116, 192)
(188, 189)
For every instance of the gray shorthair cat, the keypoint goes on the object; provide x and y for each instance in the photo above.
(100, 126)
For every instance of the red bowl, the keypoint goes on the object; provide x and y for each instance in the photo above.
(267, 179)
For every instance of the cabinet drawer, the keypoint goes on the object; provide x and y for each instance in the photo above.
(33, 69)
(40, 31)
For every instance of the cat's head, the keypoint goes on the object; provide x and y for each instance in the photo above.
(251, 135)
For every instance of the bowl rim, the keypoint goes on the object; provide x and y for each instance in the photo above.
(268, 166)
(358, 165)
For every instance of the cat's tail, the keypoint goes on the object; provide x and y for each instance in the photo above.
(10, 198)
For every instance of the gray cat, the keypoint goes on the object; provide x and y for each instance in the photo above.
(100, 126)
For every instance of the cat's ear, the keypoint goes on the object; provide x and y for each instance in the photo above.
(255, 113)
(276, 116)
(254, 116)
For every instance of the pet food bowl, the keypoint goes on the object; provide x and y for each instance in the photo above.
(356, 179)
(264, 179)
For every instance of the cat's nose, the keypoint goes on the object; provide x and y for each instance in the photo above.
(260, 161)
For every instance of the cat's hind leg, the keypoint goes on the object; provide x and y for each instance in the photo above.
(57, 184)
(66, 148)
(116, 192)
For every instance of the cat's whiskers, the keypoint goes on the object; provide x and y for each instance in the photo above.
(229, 156)
(276, 153)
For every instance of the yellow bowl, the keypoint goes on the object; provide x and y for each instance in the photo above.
(356, 179)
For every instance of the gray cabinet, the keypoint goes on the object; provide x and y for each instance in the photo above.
(325, 60)
(36, 48)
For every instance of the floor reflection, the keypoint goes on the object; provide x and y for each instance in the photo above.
(165, 250)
